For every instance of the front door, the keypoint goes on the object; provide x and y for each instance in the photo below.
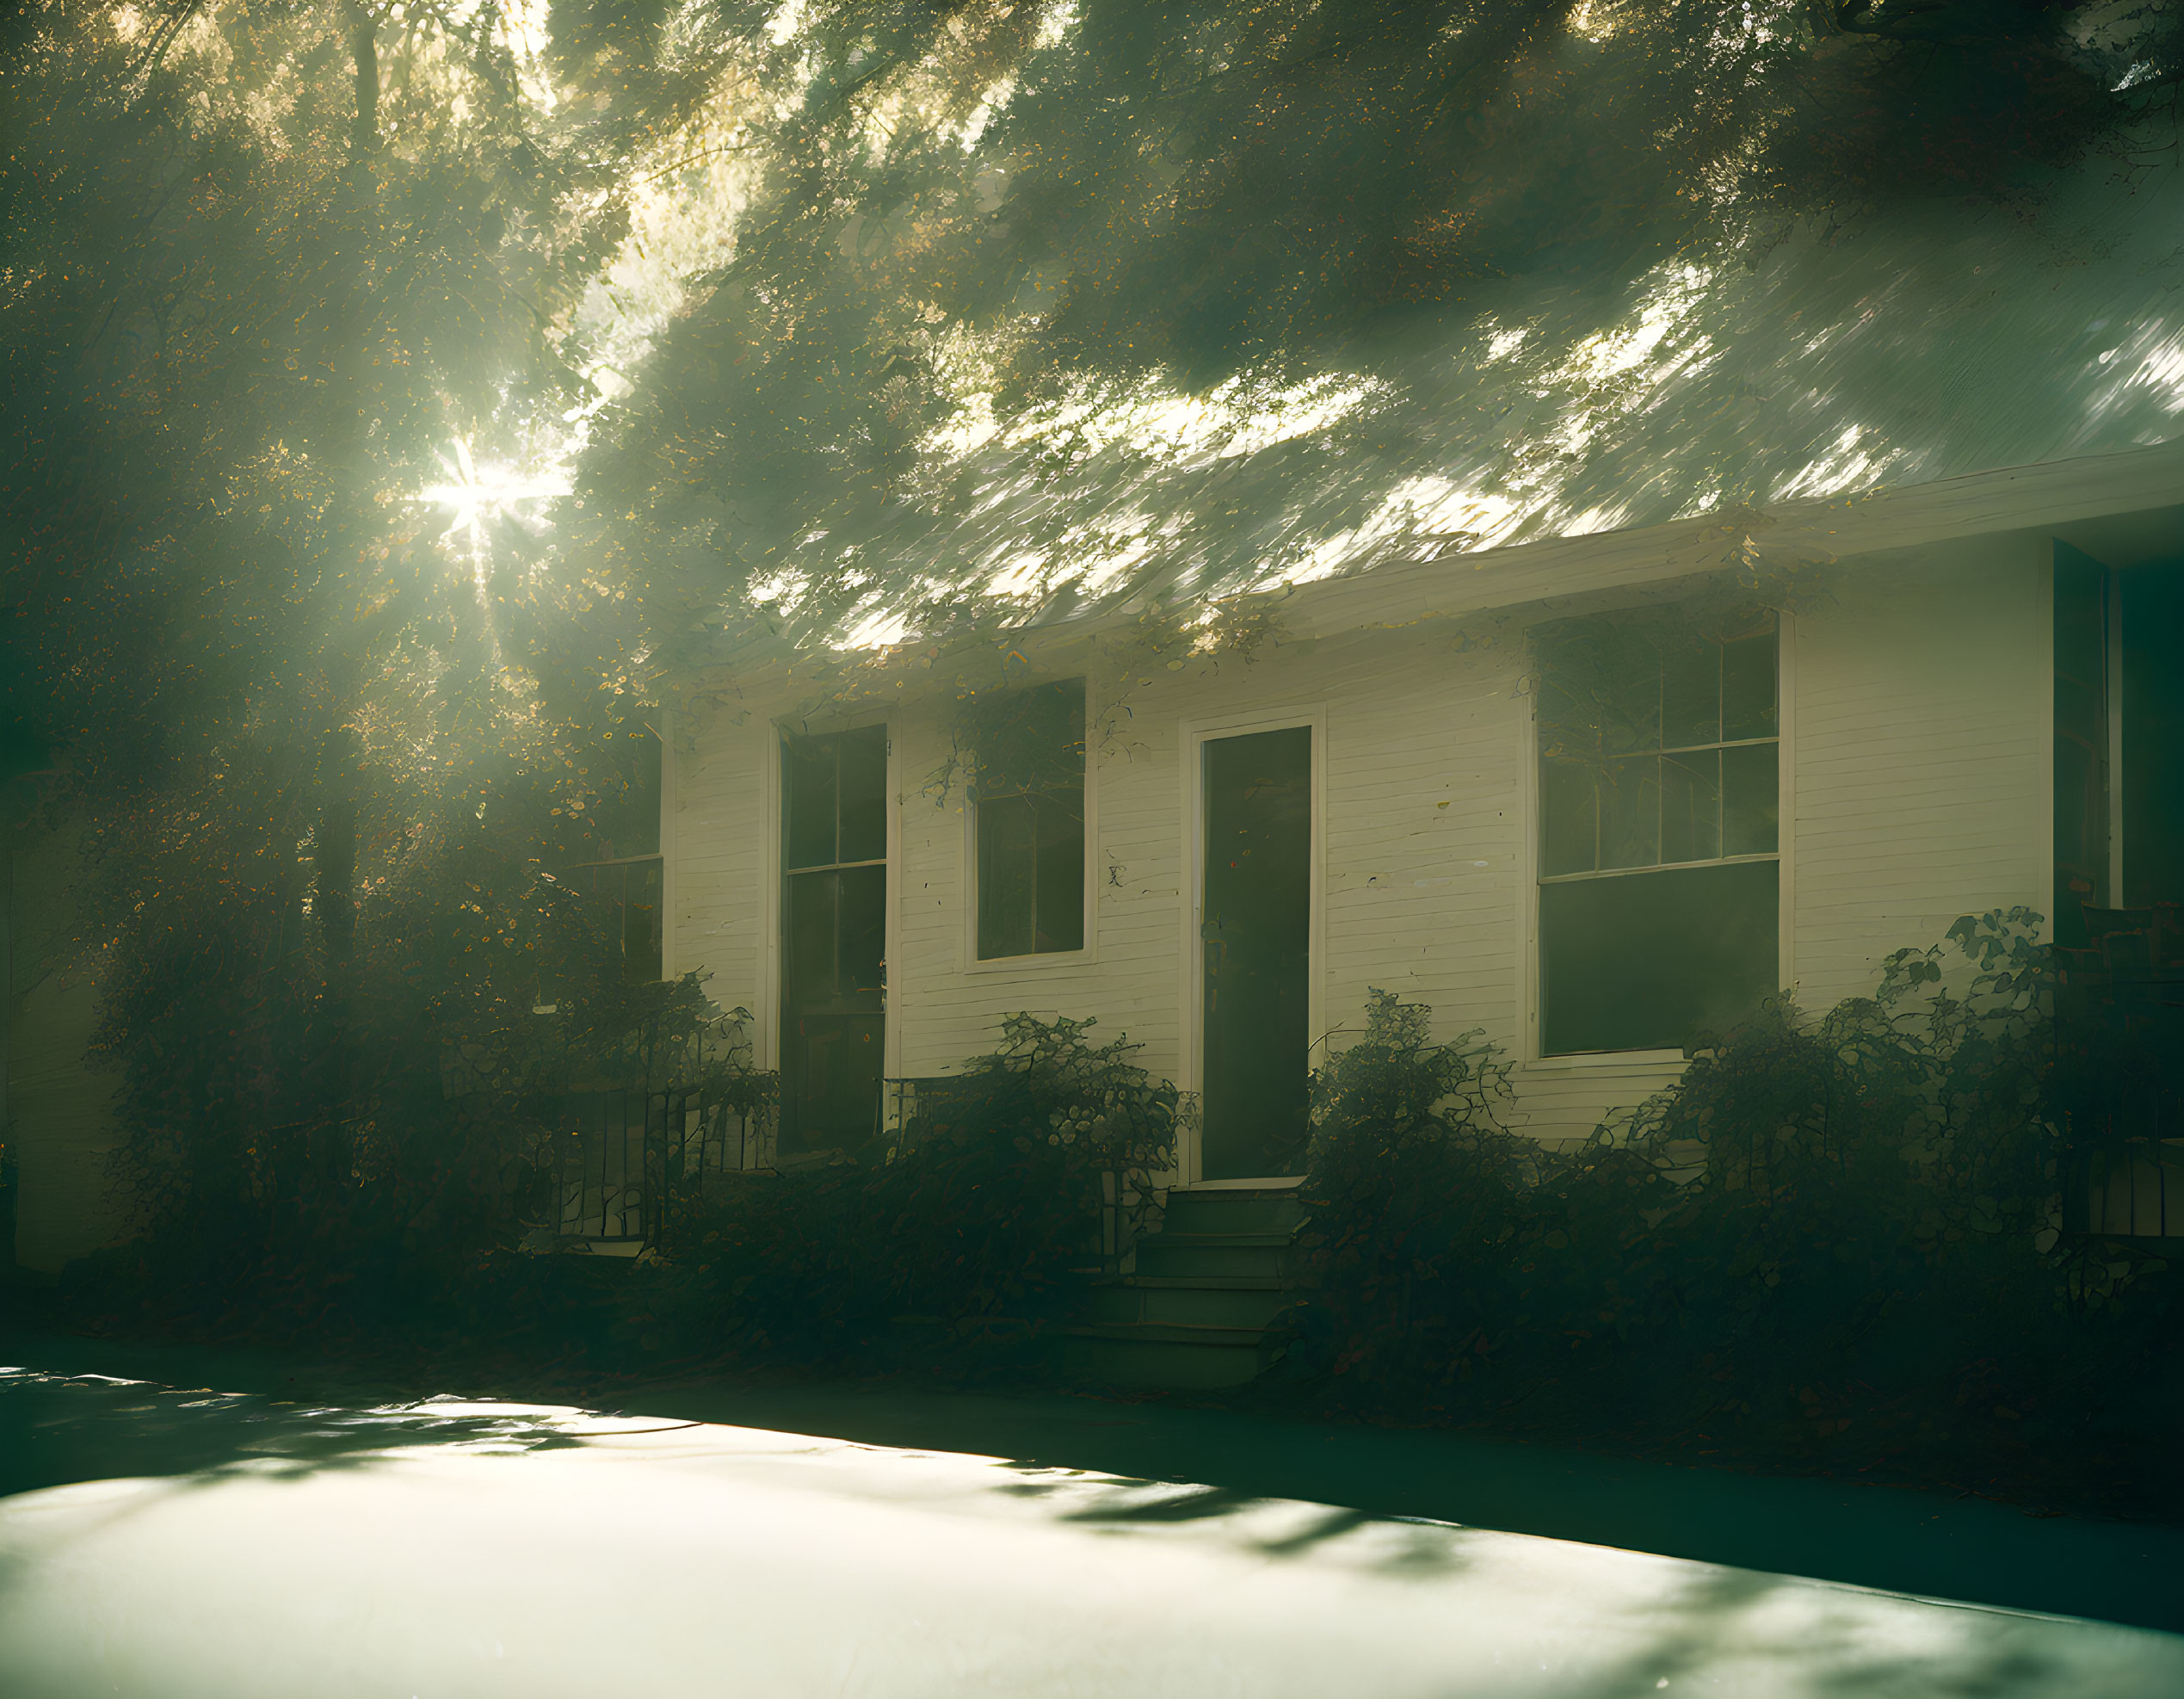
(834, 925)
(1256, 933)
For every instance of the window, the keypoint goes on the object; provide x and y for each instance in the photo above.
(1028, 799)
(1658, 829)
(833, 966)
(617, 843)
(2118, 736)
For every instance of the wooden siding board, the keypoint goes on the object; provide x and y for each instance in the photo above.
(1918, 767)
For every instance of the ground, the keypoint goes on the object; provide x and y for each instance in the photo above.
(198, 1522)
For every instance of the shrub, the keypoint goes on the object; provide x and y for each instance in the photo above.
(1420, 1201)
(981, 1206)
(1852, 1218)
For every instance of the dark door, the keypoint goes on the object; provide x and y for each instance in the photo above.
(2082, 777)
(1257, 934)
(2153, 733)
(834, 925)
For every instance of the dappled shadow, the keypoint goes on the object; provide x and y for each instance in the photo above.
(1721, 1623)
(56, 1430)
(1942, 339)
(1251, 1523)
(915, 1561)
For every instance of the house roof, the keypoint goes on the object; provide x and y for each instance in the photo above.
(1997, 362)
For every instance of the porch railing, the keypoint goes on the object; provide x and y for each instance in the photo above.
(914, 1109)
(2120, 1022)
(637, 1164)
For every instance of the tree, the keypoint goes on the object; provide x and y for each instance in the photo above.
(1160, 299)
(978, 235)
(267, 270)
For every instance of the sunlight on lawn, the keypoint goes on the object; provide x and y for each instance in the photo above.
(461, 1548)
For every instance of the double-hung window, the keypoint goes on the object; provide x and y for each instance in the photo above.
(1027, 798)
(1659, 882)
(621, 870)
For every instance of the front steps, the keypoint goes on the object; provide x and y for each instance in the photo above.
(1207, 1284)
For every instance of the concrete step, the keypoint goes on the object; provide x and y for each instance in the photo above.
(1264, 1255)
(1233, 1212)
(1194, 1300)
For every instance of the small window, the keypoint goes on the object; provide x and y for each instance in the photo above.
(1028, 799)
(617, 842)
(1659, 829)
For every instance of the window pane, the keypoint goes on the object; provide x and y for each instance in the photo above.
(627, 821)
(863, 835)
(1747, 687)
(861, 936)
(1691, 806)
(1751, 799)
(1567, 723)
(1568, 816)
(1059, 879)
(1691, 694)
(1650, 961)
(811, 941)
(1007, 830)
(1630, 814)
(1031, 822)
(1631, 718)
(807, 778)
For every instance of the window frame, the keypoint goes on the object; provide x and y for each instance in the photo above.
(662, 925)
(769, 1017)
(1193, 733)
(1086, 953)
(659, 911)
(1530, 1024)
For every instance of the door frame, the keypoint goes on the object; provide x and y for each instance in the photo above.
(1197, 731)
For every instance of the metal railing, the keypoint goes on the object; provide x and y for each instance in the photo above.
(913, 1110)
(637, 1164)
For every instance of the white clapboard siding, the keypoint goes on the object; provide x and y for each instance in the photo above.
(1918, 752)
(1922, 743)
(719, 822)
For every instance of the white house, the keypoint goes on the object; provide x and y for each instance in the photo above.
(1541, 727)
(1584, 685)
(1973, 703)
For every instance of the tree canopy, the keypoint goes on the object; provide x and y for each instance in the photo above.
(975, 237)
(390, 388)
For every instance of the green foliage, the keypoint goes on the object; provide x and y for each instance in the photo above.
(1019, 740)
(1856, 1217)
(1029, 228)
(1417, 1196)
(262, 266)
(981, 1206)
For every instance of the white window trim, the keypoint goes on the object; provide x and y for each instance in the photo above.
(767, 1042)
(1530, 1056)
(1194, 734)
(1037, 961)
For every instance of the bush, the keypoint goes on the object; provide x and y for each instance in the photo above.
(983, 1205)
(1856, 1218)
(1420, 1201)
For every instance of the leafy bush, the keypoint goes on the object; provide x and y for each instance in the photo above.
(984, 1202)
(1420, 1198)
(1856, 1218)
